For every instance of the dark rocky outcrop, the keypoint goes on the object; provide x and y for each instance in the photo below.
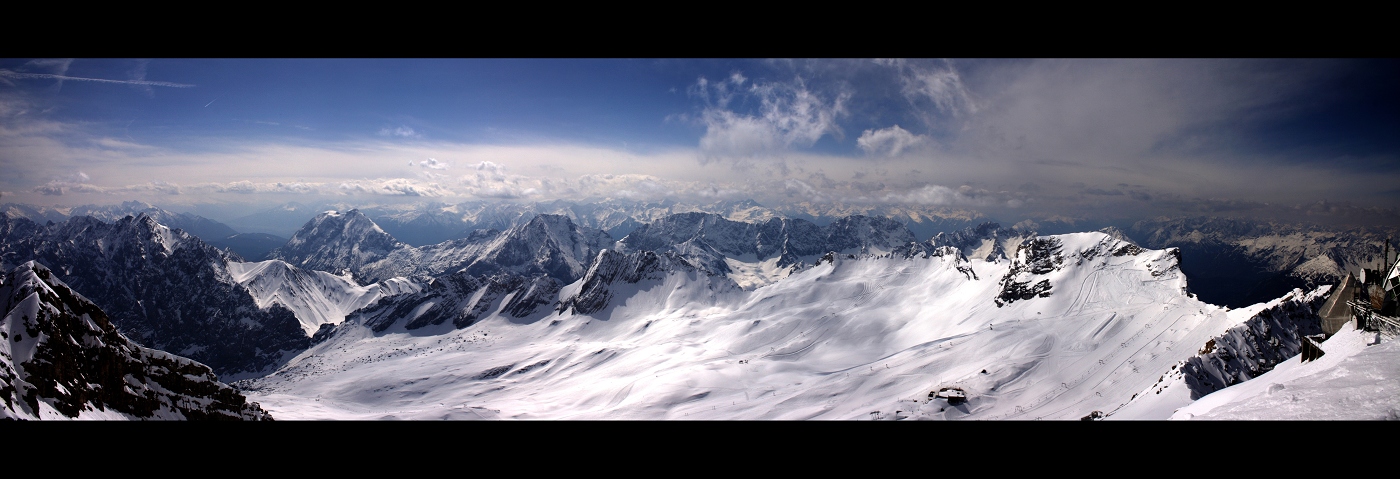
(61, 353)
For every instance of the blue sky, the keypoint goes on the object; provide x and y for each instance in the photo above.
(1032, 138)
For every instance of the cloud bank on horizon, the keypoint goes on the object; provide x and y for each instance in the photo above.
(1014, 138)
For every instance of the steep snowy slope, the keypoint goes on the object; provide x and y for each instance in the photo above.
(1263, 336)
(315, 297)
(872, 337)
(61, 358)
(1358, 378)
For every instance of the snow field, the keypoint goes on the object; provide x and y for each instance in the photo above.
(859, 339)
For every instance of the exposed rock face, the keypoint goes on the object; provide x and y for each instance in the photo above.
(551, 245)
(614, 267)
(1252, 348)
(161, 287)
(337, 241)
(1041, 261)
(1255, 347)
(461, 298)
(60, 357)
(707, 240)
(959, 261)
(1034, 258)
(987, 241)
(866, 235)
(315, 297)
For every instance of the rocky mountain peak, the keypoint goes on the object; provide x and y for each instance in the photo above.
(337, 241)
(60, 357)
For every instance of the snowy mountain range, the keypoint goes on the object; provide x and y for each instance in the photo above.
(646, 336)
(551, 316)
(193, 224)
(162, 287)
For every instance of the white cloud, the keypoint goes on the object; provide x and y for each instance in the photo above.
(630, 186)
(490, 180)
(72, 182)
(108, 142)
(393, 187)
(730, 134)
(154, 186)
(489, 166)
(788, 115)
(939, 83)
(250, 187)
(49, 189)
(940, 195)
(294, 187)
(433, 163)
(889, 141)
(795, 188)
(245, 187)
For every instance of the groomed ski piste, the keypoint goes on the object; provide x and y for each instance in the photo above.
(852, 338)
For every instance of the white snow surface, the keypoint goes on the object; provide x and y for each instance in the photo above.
(858, 339)
(315, 297)
(1358, 378)
(854, 339)
(749, 272)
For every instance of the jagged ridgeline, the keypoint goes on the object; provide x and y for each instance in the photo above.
(351, 242)
(60, 357)
(162, 287)
(205, 228)
(553, 245)
(524, 269)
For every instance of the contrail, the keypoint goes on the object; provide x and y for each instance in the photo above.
(17, 75)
